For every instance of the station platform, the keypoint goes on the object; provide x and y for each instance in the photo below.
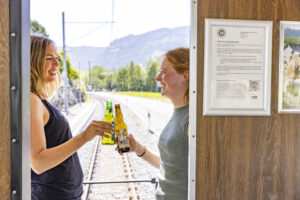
(78, 115)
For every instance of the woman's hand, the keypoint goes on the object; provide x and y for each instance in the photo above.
(97, 128)
(135, 146)
(142, 152)
(132, 143)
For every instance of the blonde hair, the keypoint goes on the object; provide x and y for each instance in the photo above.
(39, 46)
(180, 59)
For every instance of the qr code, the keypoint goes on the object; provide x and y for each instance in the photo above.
(254, 85)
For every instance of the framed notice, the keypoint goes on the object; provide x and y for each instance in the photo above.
(237, 67)
(289, 68)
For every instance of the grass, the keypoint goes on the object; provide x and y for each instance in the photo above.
(154, 95)
(291, 40)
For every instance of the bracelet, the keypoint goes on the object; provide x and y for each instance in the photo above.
(142, 153)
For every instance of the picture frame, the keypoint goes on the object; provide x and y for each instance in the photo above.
(237, 67)
(289, 67)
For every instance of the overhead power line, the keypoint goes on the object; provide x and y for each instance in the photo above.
(103, 23)
(85, 34)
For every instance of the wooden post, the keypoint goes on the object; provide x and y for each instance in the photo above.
(4, 102)
(248, 158)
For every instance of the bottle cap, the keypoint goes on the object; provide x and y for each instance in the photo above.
(109, 105)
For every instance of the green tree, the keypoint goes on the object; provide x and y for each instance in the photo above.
(121, 79)
(135, 77)
(152, 69)
(108, 81)
(37, 29)
(139, 78)
(114, 80)
(72, 72)
(97, 75)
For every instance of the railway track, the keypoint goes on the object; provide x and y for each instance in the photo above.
(111, 175)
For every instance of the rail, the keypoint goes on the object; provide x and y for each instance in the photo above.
(103, 158)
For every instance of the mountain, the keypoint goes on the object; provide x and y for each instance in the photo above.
(136, 48)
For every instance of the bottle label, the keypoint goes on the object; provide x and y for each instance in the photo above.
(113, 137)
(122, 138)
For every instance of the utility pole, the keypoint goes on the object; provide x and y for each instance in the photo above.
(112, 19)
(90, 86)
(65, 72)
(79, 84)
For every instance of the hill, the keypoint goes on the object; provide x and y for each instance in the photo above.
(136, 48)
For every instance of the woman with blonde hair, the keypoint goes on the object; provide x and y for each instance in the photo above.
(56, 171)
(173, 141)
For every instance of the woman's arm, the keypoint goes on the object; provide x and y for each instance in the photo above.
(43, 159)
(143, 152)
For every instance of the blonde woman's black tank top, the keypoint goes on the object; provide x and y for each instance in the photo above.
(65, 180)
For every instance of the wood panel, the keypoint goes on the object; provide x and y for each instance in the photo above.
(255, 158)
(4, 102)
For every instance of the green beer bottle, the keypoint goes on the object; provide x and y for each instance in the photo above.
(109, 118)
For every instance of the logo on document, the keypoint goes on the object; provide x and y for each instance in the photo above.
(221, 32)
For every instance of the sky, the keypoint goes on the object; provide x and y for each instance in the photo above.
(128, 17)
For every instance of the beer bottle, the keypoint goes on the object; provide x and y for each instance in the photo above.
(121, 131)
(109, 118)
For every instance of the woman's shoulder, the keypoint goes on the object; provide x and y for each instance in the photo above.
(38, 109)
(35, 100)
(33, 95)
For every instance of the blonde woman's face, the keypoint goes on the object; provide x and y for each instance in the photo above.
(52, 64)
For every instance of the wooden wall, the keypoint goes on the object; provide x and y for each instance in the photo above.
(4, 102)
(243, 158)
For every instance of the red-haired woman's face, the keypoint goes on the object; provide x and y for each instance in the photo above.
(51, 65)
(173, 84)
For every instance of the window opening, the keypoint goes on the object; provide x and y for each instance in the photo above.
(109, 59)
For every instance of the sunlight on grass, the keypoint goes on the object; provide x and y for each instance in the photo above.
(154, 95)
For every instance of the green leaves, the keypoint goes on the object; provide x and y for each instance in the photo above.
(37, 29)
(72, 72)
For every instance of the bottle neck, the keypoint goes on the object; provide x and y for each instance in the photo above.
(110, 113)
(119, 116)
